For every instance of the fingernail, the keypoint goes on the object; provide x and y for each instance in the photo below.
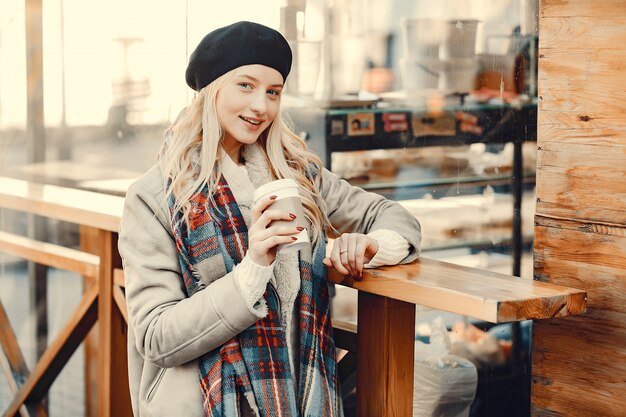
(273, 197)
(300, 228)
(293, 216)
(294, 238)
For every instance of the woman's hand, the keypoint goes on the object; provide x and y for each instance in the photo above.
(263, 241)
(350, 252)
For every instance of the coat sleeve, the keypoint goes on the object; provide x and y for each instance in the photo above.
(169, 328)
(354, 210)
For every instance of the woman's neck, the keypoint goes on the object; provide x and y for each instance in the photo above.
(234, 153)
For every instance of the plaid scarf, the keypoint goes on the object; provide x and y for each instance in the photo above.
(255, 363)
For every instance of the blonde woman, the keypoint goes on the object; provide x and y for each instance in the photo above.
(220, 322)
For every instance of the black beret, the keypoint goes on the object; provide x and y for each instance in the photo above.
(230, 47)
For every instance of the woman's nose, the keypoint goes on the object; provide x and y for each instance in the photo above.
(258, 103)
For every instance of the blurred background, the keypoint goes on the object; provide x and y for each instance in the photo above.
(429, 103)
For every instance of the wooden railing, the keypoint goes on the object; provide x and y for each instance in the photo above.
(382, 350)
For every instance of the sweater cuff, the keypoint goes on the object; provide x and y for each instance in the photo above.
(392, 248)
(251, 280)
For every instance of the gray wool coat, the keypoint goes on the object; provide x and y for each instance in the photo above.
(168, 332)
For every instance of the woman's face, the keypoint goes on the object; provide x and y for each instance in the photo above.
(248, 103)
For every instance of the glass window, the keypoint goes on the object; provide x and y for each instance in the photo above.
(432, 104)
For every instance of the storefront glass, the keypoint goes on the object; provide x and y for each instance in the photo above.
(430, 104)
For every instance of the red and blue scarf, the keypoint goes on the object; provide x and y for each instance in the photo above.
(255, 363)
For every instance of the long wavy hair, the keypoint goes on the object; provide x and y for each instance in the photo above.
(190, 159)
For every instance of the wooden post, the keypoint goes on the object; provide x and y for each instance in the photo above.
(113, 392)
(89, 243)
(36, 152)
(386, 342)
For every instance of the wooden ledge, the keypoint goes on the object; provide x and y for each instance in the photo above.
(75, 206)
(473, 292)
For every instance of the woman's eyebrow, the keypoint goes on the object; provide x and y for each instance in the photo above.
(251, 78)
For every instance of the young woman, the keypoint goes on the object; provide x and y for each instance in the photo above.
(220, 322)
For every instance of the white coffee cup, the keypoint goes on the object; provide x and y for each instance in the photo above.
(287, 199)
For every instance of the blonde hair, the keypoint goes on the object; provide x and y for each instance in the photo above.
(190, 159)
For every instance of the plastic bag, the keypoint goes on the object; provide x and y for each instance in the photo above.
(444, 384)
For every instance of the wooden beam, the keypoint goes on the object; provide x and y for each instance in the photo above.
(120, 301)
(119, 278)
(89, 243)
(385, 360)
(58, 353)
(113, 391)
(14, 366)
(29, 410)
(473, 292)
(16, 370)
(49, 254)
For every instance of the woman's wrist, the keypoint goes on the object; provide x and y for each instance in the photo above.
(392, 248)
(251, 280)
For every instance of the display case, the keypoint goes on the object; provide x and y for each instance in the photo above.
(468, 190)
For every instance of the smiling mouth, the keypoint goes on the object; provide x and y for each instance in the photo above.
(254, 122)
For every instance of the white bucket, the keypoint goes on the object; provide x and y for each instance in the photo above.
(459, 40)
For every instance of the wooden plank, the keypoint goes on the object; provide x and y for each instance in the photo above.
(600, 9)
(567, 98)
(385, 360)
(586, 103)
(49, 254)
(75, 206)
(574, 185)
(573, 160)
(591, 258)
(579, 365)
(58, 353)
(577, 127)
(558, 31)
(563, 202)
(473, 292)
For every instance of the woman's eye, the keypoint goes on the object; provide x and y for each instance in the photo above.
(273, 92)
(245, 85)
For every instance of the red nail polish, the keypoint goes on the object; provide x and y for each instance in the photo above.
(294, 238)
(293, 216)
(273, 197)
(300, 228)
